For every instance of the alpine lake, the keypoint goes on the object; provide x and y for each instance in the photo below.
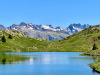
(46, 63)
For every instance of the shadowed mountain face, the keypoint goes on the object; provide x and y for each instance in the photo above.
(46, 32)
(2, 27)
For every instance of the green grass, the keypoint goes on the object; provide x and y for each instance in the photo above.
(95, 66)
(79, 42)
(21, 43)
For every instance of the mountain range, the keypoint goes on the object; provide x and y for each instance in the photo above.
(46, 31)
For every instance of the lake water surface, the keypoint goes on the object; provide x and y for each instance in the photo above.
(46, 63)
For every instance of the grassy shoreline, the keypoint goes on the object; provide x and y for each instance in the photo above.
(96, 65)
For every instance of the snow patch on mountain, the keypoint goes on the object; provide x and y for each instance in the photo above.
(76, 28)
(46, 27)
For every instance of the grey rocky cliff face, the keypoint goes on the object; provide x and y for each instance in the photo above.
(47, 31)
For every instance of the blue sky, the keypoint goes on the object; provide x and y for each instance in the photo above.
(55, 12)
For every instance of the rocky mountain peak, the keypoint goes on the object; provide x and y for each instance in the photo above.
(2, 27)
(50, 26)
(58, 27)
(76, 25)
(22, 24)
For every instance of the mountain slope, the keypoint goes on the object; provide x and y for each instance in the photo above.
(2, 27)
(21, 43)
(81, 41)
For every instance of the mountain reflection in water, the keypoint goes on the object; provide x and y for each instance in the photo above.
(11, 58)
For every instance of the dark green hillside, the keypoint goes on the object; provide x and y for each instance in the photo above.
(79, 42)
